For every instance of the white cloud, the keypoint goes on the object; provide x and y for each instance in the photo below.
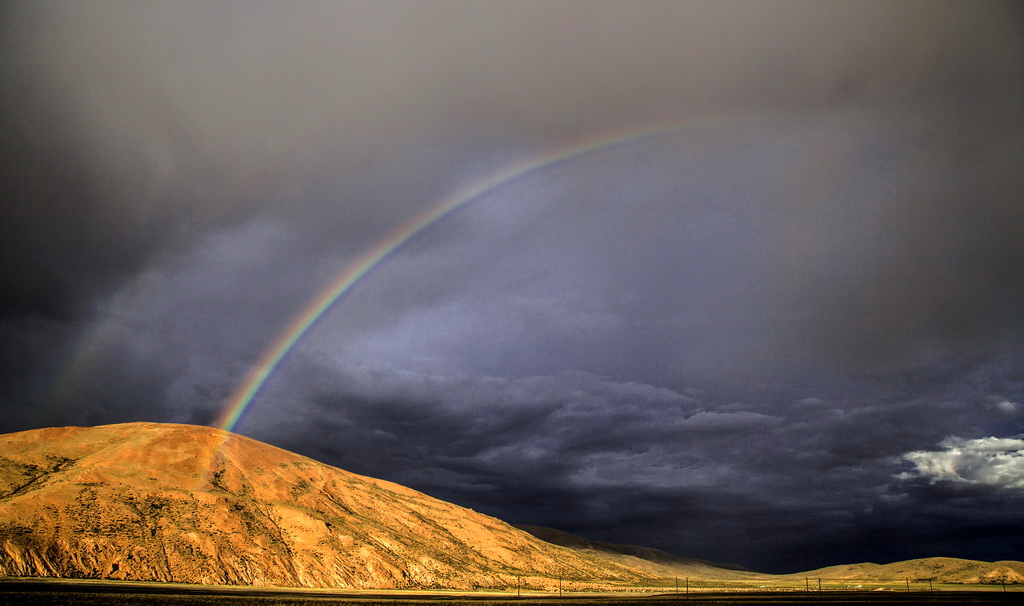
(989, 461)
(1006, 407)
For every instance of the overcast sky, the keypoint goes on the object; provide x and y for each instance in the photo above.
(785, 334)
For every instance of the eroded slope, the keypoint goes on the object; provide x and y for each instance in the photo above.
(146, 501)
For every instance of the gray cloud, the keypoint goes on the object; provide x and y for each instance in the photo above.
(165, 118)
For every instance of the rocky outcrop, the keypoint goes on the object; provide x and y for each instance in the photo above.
(157, 502)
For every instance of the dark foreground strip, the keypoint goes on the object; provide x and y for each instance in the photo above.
(70, 593)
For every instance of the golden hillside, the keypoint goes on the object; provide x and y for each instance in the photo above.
(943, 570)
(148, 501)
(653, 561)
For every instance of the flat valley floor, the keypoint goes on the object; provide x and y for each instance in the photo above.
(91, 593)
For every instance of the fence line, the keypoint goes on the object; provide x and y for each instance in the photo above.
(683, 586)
(815, 584)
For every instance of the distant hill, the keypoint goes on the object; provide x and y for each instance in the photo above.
(653, 561)
(942, 570)
(147, 501)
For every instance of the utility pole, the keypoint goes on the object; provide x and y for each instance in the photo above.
(819, 584)
(518, 585)
(807, 584)
(559, 585)
(907, 579)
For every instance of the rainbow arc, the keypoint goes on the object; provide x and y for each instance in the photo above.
(238, 402)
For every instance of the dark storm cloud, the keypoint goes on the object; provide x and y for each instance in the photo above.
(134, 125)
(728, 342)
(813, 483)
(720, 259)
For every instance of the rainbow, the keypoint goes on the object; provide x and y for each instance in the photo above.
(238, 402)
